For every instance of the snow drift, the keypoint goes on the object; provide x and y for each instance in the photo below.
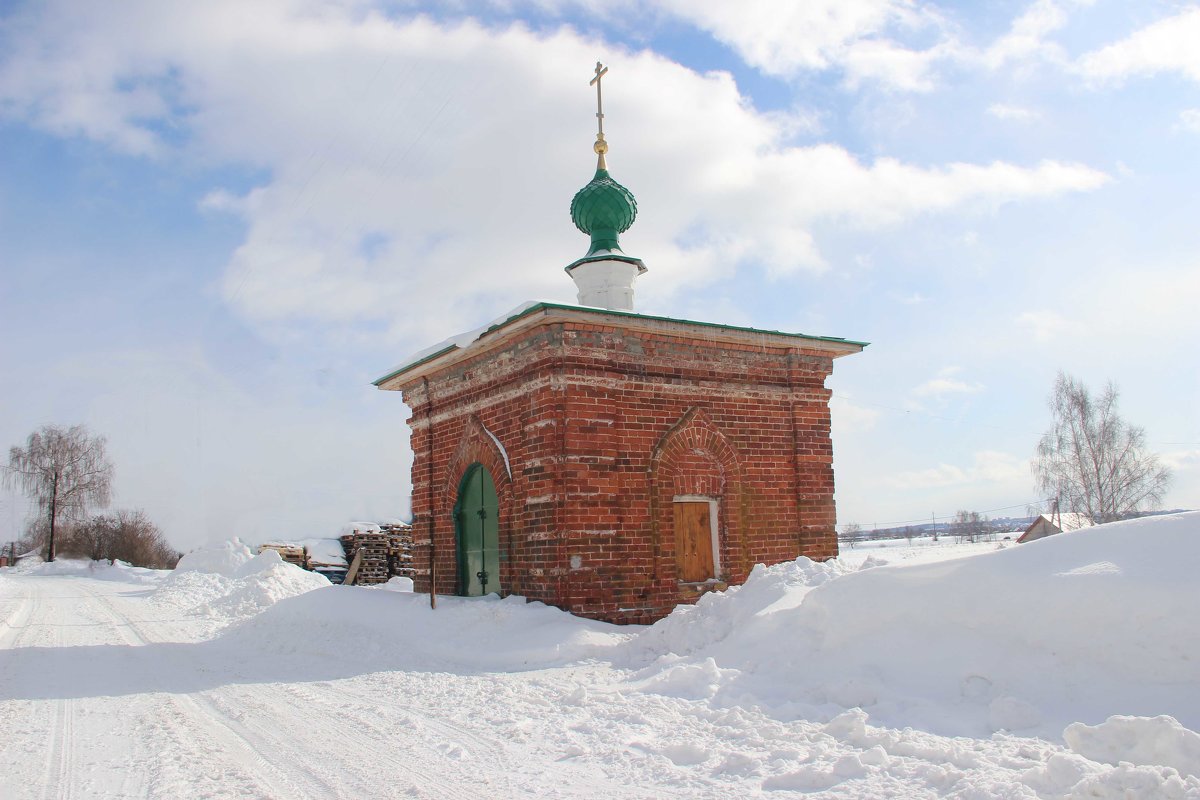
(121, 571)
(1137, 740)
(391, 628)
(227, 583)
(1075, 627)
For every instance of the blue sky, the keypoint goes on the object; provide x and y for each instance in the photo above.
(219, 222)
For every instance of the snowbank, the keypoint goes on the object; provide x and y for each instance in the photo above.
(120, 571)
(398, 630)
(397, 583)
(717, 616)
(1068, 628)
(227, 583)
(225, 558)
(1137, 740)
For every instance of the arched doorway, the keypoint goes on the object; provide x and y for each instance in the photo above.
(477, 533)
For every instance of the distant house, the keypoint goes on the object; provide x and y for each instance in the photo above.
(1048, 525)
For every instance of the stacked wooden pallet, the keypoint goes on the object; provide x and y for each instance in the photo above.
(375, 556)
(289, 552)
(399, 548)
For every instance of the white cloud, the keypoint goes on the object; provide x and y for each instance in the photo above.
(1168, 45)
(892, 65)
(417, 173)
(1025, 42)
(784, 39)
(1189, 120)
(1046, 325)
(1181, 459)
(1009, 112)
(988, 466)
(946, 384)
(848, 416)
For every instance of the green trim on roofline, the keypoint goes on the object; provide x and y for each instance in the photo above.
(614, 313)
(448, 348)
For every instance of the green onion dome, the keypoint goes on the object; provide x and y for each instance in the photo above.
(603, 209)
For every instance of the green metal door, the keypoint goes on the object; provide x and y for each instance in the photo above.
(477, 518)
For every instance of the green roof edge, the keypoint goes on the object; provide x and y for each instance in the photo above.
(615, 313)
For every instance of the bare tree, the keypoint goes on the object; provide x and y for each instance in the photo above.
(65, 471)
(968, 526)
(1092, 460)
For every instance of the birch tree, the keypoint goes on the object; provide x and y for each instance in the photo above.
(1093, 461)
(64, 471)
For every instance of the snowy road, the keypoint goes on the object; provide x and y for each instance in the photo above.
(109, 691)
(104, 698)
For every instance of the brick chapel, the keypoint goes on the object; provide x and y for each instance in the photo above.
(611, 463)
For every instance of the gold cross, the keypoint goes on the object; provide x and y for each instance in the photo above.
(601, 146)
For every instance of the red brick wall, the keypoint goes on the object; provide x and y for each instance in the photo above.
(600, 428)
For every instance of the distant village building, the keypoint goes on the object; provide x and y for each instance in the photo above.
(611, 463)
(1050, 524)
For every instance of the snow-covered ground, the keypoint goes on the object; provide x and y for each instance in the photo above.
(1063, 668)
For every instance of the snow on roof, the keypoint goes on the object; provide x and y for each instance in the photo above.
(326, 552)
(359, 527)
(1067, 521)
(323, 551)
(464, 340)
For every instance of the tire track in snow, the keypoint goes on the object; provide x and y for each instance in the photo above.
(199, 714)
(435, 720)
(384, 742)
(60, 744)
(20, 622)
(260, 717)
(14, 618)
(22, 718)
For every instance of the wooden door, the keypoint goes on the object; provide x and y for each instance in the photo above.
(694, 542)
(478, 532)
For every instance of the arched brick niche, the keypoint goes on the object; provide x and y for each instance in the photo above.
(475, 446)
(694, 459)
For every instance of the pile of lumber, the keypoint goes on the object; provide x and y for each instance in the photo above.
(377, 553)
(289, 552)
